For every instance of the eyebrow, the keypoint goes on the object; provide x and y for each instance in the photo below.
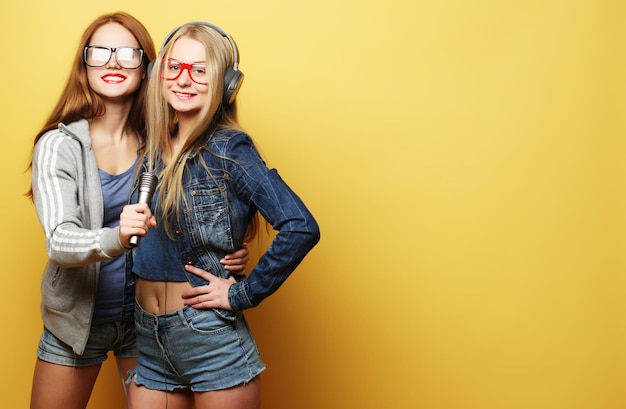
(193, 63)
(117, 46)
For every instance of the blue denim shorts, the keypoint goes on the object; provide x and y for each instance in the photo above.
(194, 348)
(117, 336)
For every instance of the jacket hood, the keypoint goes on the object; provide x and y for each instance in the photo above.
(78, 130)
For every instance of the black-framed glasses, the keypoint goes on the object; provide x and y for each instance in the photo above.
(126, 57)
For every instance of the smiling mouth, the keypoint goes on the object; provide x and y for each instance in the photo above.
(183, 94)
(113, 78)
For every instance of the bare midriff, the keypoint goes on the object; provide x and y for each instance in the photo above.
(160, 297)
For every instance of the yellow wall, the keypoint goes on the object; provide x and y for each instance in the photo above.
(465, 160)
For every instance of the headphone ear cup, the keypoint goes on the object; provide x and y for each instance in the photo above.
(232, 82)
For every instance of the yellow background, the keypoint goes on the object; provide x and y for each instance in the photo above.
(465, 160)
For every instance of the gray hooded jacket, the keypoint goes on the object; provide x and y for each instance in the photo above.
(68, 200)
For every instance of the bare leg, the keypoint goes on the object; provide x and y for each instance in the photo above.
(245, 396)
(124, 365)
(140, 397)
(62, 387)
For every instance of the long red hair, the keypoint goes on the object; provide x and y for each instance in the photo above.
(79, 101)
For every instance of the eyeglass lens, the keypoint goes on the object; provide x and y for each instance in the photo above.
(126, 57)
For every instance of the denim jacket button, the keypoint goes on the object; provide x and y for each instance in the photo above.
(189, 261)
(178, 231)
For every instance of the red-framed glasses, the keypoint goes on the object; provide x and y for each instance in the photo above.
(172, 69)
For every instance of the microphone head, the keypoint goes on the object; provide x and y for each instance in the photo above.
(147, 182)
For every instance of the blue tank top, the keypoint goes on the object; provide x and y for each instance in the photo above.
(112, 279)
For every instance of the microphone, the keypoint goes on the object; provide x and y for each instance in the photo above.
(147, 185)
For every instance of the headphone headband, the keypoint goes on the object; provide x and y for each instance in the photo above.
(223, 33)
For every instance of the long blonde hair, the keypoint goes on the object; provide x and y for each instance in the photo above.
(162, 120)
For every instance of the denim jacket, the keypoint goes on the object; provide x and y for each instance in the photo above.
(223, 201)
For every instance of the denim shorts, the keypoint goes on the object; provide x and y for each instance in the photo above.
(117, 336)
(194, 348)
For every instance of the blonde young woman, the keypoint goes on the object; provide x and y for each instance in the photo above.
(83, 168)
(195, 346)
